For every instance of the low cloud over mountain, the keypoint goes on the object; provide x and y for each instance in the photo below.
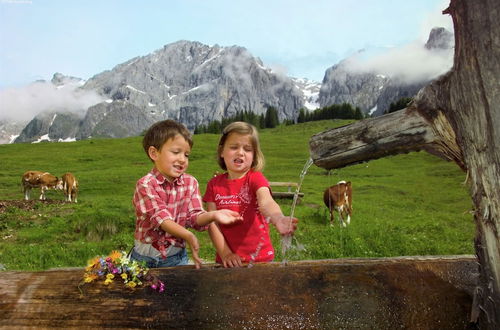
(409, 64)
(61, 94)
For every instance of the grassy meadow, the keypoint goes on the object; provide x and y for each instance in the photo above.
(412, 204)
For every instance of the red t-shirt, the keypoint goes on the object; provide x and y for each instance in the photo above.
(248, 238)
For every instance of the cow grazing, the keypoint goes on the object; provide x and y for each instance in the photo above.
(44, 180)
(70, 187)
(339, 198)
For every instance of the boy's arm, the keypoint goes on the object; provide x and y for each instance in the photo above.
(223, 216)
(270, 209)
(179, 231)
(200, 219)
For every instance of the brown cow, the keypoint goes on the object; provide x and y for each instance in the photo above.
(44, 180)
(339, 198)
(70, 187)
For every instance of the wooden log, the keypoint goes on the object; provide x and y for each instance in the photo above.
(410, 293)
(285, 194)
(398, 132)
(284, 184)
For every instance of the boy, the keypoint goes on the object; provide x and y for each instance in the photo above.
(167, 201)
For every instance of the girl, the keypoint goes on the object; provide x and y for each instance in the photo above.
(243, 188)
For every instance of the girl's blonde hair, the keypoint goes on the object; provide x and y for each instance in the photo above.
(243, 128)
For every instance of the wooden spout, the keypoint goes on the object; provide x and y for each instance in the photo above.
(398, 132)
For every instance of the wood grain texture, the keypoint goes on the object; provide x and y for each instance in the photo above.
(411, 293)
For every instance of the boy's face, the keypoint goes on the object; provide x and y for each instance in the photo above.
(173, 157)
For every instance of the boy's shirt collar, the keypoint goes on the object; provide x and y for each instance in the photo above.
(160, 178)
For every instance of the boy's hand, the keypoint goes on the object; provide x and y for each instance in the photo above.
(194, 246)
(284, 225)
(231, 260)
(226, 217)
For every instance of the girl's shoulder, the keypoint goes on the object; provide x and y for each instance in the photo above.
(218, 177)
(257, 177)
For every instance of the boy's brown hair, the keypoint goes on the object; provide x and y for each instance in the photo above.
(160, 132)
(240, 127)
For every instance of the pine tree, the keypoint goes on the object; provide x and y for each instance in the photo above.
(302, 116)
(271, 117)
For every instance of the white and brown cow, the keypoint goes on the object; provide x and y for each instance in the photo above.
(44, 180)
(339, 198)
(70, 187)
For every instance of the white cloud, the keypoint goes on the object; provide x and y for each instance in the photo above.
(410, 63)
(23, 103)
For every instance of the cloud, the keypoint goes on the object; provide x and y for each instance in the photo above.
(23, 103)
(411, 63)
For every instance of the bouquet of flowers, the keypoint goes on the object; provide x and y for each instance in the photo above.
(118, 266)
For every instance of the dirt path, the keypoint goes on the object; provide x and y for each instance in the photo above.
(25, 205)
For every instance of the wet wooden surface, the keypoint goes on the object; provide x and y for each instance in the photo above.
(388, 293)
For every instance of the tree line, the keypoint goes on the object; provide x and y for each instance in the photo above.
(268, 120)
(271, 119)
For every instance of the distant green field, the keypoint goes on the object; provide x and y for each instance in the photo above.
(412, 204)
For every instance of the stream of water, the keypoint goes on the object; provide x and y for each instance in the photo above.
(286, 241)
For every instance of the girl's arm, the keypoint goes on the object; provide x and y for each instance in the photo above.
(270, 209)
(229, 259)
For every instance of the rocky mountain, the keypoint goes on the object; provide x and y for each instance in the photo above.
(195, 83)
(186, 81)
(50, 126)
(374, 90)
(114, 119)
(340, 85)
(310, 92)
(9, 130)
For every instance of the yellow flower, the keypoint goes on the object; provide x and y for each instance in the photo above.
(131, 284)
(92, 263)
(124, 276)
(110, 277)
(89, 277)
(107, 281)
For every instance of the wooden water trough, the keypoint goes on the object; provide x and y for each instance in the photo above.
(385, 293)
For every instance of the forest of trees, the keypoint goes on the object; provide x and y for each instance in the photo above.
(399, 104)
(335, 111)
(270, 119)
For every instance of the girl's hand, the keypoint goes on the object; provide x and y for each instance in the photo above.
(284, 225)
(194, 246)
(231, 260)
(227, 217)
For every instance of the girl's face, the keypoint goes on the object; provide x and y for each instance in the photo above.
(238, 154)
(173, 157)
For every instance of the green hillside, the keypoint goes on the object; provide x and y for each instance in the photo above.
(413, 204)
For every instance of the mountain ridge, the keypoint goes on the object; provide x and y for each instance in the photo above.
(195, 83)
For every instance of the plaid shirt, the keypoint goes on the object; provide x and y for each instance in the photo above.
(156, 200)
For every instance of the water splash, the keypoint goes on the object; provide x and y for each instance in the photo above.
(286, 241)
(256, 253)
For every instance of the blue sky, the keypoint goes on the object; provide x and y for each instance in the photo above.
(301, 37)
